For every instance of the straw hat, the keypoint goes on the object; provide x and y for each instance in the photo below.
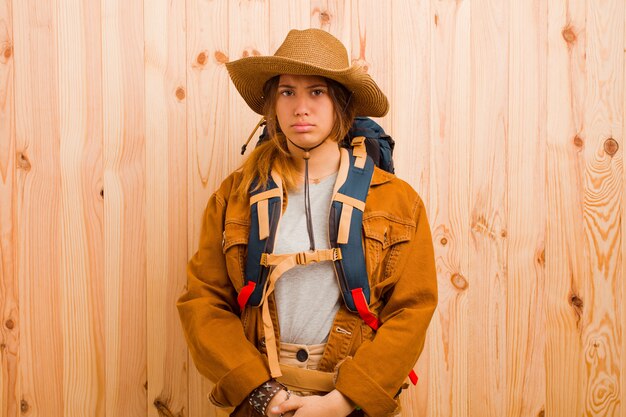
(308, 52)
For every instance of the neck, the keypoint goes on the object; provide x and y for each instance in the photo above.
(323, 160)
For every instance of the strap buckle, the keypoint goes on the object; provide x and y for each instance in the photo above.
(304, 258)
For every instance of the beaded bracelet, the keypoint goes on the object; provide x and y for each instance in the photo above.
(261, 396)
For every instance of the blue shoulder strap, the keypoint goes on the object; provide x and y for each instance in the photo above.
(346, 218)
(265, 211)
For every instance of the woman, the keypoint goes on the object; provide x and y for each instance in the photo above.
(289, 342)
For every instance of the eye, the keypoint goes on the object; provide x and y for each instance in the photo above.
(286, 93)
(318, 92)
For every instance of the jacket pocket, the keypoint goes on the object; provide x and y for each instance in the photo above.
(235, 248)
(383, 240)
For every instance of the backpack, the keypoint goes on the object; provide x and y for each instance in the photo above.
(367, 146)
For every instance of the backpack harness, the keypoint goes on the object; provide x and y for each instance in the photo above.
(263, 267)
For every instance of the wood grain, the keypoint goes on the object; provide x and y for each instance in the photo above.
(9, 307)
(80, 146)
(207, 136)
(526, 196)
(124, 197)
(370, 43)
(449, 204)
(488, 135)
(38, 182)
(566, 252)
(601, 336)
(166, 204)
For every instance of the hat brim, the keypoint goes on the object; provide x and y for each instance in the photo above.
(250, 74)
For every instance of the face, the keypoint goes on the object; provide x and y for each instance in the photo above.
(304, 109)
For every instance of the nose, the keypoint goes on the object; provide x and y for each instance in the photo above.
(302, 106)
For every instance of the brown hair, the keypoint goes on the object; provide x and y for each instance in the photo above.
(274, 154)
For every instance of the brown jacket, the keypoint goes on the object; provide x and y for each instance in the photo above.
(228, 347)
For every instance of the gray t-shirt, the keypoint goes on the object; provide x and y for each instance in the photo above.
(307, 296)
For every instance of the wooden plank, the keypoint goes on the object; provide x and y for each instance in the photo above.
(410, 89)
(488, 197)
(566, 254)
(166, 203)
(335, 17)
(38, 208)
(124, 207)
(207, 137)
(602, 133)
(449, 208)
(80, 278)
(248, 26)
(371, 43)
(525, 176)
(410, 126)
(284, 16)
(9, 307)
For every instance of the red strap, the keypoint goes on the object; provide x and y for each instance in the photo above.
(370, 319)
(361, 306)
(244, 294)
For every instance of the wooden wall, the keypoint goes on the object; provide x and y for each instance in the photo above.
(118, 120)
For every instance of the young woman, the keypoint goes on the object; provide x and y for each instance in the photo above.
(292, 343)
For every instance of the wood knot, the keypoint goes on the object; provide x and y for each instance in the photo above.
(162, 408)
(250, 52)
(577, 304)
(542, 413)
(459, 281)
(569, 35)
(324, 17)
(444, 241)
(578, 142)
(541, 257)
(201, 58)
(180, 93)
(8, 51)
(10, 324)
(23, 162)
(503, 234)
(221, 57)
(24, 406)
(102, 193)
(436, 19)
(145, 385)
(611, 146)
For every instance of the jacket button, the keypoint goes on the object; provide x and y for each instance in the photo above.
(262, 342)
(302, 355)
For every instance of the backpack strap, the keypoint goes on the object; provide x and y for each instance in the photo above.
(345, 223)
(265, 211)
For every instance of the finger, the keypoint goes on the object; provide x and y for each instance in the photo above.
(291, 404)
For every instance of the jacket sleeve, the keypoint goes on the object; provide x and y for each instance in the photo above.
(209, 315)
(373, 377)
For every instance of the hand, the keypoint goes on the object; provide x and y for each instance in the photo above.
(279, 398)
(332, 404)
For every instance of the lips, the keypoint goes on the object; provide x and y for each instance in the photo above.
(302, 127)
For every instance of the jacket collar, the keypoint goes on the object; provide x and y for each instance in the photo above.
(381, 176)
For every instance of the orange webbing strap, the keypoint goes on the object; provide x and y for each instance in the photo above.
(348, 203)
(370, 319)
(302, 258)
(282, 264)
(343, 231)
(359, 151)
(262, 208)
